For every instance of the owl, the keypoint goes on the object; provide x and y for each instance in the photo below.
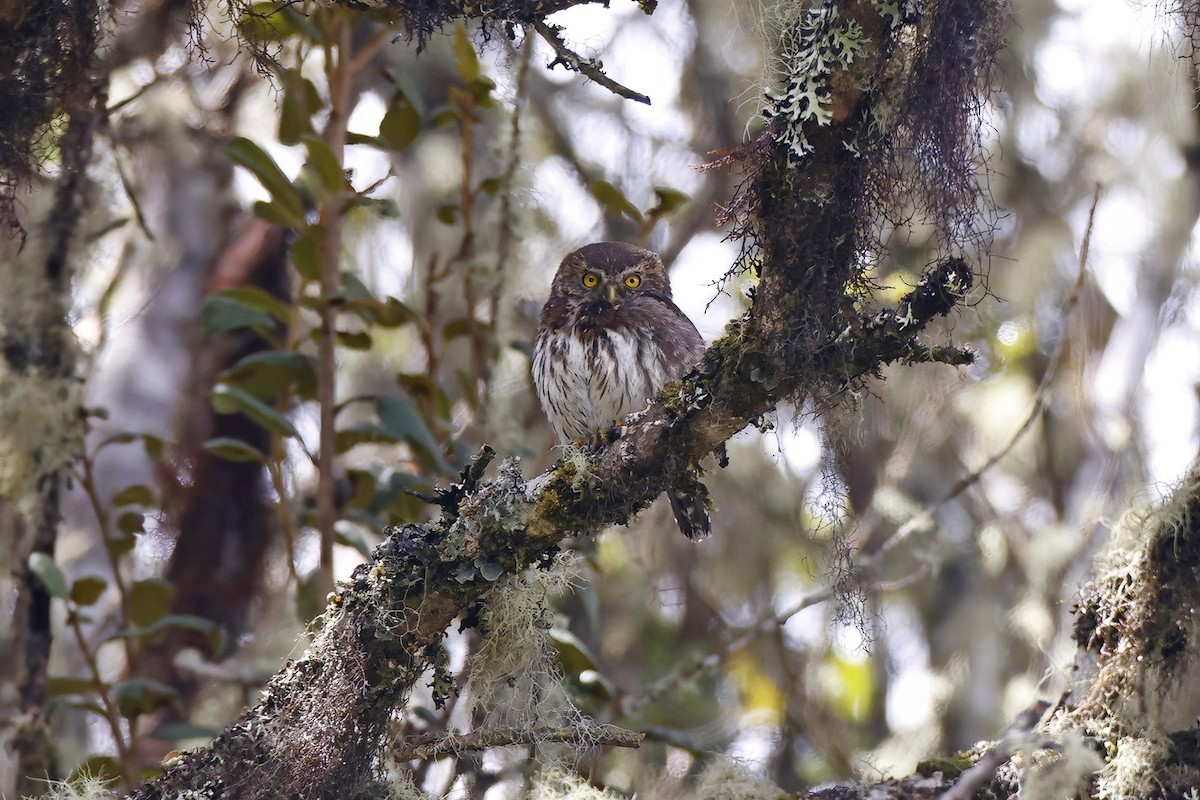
(610, 337)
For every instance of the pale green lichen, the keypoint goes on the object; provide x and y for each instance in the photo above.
(82, 787)
(557, 784)
(515, 677)
(811, 49)
(726, 779)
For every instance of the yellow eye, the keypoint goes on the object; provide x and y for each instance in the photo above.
(591, 280)
(633, 280)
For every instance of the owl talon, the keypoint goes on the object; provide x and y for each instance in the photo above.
(599, 439)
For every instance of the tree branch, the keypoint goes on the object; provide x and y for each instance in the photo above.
(433, 746)
(577, 63)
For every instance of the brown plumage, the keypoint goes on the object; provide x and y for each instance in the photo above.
(610, 337)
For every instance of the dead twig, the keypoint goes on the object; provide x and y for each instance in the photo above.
(577, 63)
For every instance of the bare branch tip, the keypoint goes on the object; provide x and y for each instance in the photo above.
(576, 63)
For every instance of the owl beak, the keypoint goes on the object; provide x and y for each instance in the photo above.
(611, 294)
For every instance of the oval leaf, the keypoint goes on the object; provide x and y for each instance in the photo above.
(613, 200)
(232, 449)
(221, 313)
(140, 696)
(59, 685)
(402, 422)
(149, 601)
(247, 154)
(105, 768)
(401, 123)
(136, 495)
(131, 522)
(49, 575)
(669, 201)
(268, 373)
(228, 399)
(87, 589)
(324, 163)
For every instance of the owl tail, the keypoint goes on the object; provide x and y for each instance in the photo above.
(689, 504)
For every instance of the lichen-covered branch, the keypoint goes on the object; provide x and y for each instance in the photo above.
(440, 746)
(576, 63)
(322, 720)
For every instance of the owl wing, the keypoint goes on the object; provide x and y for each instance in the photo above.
(677, 338)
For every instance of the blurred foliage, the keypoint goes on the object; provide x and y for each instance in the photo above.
(463, 180)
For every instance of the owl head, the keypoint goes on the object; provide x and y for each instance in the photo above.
(611, 272)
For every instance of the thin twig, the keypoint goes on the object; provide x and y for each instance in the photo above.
(577, 63)
(431, 746)
(924, 517)
(634, 703)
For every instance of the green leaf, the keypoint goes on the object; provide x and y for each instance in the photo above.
(333, 177)
(402, 422)
(481, 89)
(266, 23)
(392, 313)
(573, 654)
(174, 731)
(152, 444)
(304, 257)
(49, 575)
(87, 589)
(221, 314)
(359, 433)
(277, 214)
(354, 289)
(362, 138)
(401, 123)
(60, 685)
(228, 399)
(383, 206)
(228, 309)
(135, 495)
(149, 601)
(118, 546)
(669, 201)
(131, 522)
(268, 373)
(139, 696)
(447, 214)
(249, 155)
(351, 535)
(232, 449)
(491, 186)
(464, 55)
(461, 326)
(422, 386)
(96, 412)
(300, 101)
(105, 768)
(354, 341)
(613, 200)
(207, 628)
